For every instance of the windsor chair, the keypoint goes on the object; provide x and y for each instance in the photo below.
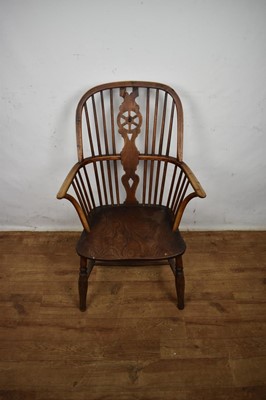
(130, 186)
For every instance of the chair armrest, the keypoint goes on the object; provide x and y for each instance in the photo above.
(67, 182)
(198, 192)
(63, 194)
(193, 180)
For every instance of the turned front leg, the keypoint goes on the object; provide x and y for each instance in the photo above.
(84, 273)
(179, 282)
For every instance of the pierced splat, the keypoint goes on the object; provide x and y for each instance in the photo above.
(129, 122)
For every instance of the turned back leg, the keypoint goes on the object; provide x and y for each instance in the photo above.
(180, 282)
(86, 267)
(176, 265)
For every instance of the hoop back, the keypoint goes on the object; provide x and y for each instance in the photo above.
(129, 121)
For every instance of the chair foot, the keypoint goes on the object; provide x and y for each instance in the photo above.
(180, 283)
(84, 274)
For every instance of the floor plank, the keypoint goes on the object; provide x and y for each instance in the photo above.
(133, 343)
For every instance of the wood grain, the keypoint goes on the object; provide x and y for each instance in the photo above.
(131, 233)
(133, 343)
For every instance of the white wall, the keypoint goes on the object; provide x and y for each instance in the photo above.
(212, 52)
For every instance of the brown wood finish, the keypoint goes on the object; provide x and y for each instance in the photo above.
(130, 195)
(131, 343)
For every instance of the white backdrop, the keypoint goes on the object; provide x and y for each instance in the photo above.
(211, 52)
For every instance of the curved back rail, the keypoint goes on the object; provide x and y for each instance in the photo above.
(161, 130)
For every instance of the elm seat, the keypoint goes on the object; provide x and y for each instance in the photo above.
(130, 186)
(131, 233)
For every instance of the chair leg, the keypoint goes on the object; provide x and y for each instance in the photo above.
(179, 282)
(84, 273)
(83, 283)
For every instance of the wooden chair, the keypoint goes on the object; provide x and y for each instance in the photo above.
(130, 186)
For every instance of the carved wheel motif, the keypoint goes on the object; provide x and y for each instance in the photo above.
(129, 118)
(129, 122)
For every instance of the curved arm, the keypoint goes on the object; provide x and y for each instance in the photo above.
(193, 180)
(198, 192)
(62, 194)
(67, 182)
(80, 212)
(181, 210)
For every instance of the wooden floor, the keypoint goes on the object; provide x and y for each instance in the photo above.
(133, 343)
